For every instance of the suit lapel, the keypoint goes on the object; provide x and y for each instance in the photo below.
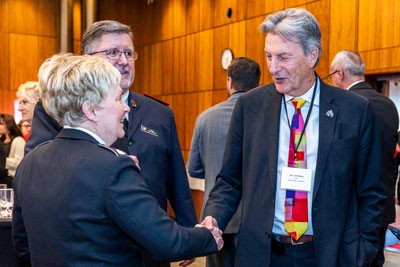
(328, 114)
(135, 114)
(271, 119)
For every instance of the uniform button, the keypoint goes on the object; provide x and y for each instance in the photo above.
(268, 235)
(130, 143)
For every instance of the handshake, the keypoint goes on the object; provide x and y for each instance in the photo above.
(211, 224)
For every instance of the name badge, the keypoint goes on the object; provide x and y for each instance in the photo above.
(296, 179)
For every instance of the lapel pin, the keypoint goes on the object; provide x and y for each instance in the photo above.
(133, 102)
(329, 113)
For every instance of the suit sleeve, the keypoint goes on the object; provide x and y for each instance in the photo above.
(19, 235)
(132, 206)
(195, 164)
(369, 186)
(44, 128)
(226, 195)
(178, 190)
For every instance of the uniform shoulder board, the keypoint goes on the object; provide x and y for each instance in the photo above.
(116, 152)
(156, 99)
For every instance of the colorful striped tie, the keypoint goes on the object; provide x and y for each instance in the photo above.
(296, 211)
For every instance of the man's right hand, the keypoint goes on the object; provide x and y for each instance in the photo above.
(211, 224)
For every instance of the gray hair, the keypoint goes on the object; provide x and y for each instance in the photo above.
(351, 61)
(98, 29)
(29, 86)
(295, 25)
(67, 81)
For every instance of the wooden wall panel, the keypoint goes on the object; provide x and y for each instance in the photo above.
(255, 46)
(382, 60)
(221, 12)
(320, 10)
(221, 41)
(271, 6)
(5, 60)
(192, 62)
(179, 18)
(206, 8)
(295, 3)
(179, 64)
(4, 15)
(255, 8)
(192, 16)
(191, 112)
(237, 33)
(343, 26)
(46, 16)
(167, 60)
(7, 101)
(39, 17)
(46, 48)
(155, 86)
(164, 12)
(22, 22)
(378, 18)
(24, 49)
(178, 106)
(206, 60)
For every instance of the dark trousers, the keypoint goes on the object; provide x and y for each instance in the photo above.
(226, 256)
(380, 257)
(288, 255)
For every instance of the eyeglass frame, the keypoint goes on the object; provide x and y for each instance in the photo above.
(330, 74)
(135, 54)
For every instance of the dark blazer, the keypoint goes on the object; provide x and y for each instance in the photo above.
(348, 195)
(387, 121)
(153, 138)
(77, 203)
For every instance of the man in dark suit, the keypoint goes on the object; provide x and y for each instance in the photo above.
(348, 70)
(79, 202)
(343, 194)
(150, 134)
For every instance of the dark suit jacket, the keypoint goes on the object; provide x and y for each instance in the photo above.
(348, 195)
(77, 203)
(153, 138)
(387, 122)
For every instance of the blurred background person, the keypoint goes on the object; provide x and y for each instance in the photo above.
(25, 128)
(13, 143)
(2, 164)
(84, 194)
(28, 94)
(208, 142)
(349, 74)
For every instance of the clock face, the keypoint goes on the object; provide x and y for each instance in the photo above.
(226, 58)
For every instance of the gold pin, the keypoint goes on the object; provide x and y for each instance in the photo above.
(133, 102)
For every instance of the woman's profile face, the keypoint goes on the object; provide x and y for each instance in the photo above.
(3, 128)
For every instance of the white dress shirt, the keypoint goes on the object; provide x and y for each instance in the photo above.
(312, 137)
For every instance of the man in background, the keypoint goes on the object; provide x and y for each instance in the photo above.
(302, 157)
(348, 70)
(208, 145)
(150, 130)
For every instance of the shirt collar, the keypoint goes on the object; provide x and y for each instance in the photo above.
(95, 136)
(356, 82)
(308, 95)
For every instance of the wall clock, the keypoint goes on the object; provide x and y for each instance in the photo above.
(226, 58)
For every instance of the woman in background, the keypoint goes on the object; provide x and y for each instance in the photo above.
(25, 128)
(13, 143)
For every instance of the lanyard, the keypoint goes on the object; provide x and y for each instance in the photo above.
(307, 118)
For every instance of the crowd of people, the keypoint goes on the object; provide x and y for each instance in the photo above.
(298, 172)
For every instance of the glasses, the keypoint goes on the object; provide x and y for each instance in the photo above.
(115, 54)
(329, 76)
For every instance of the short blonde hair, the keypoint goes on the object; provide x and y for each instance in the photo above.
(67, 81)
(29, 86)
